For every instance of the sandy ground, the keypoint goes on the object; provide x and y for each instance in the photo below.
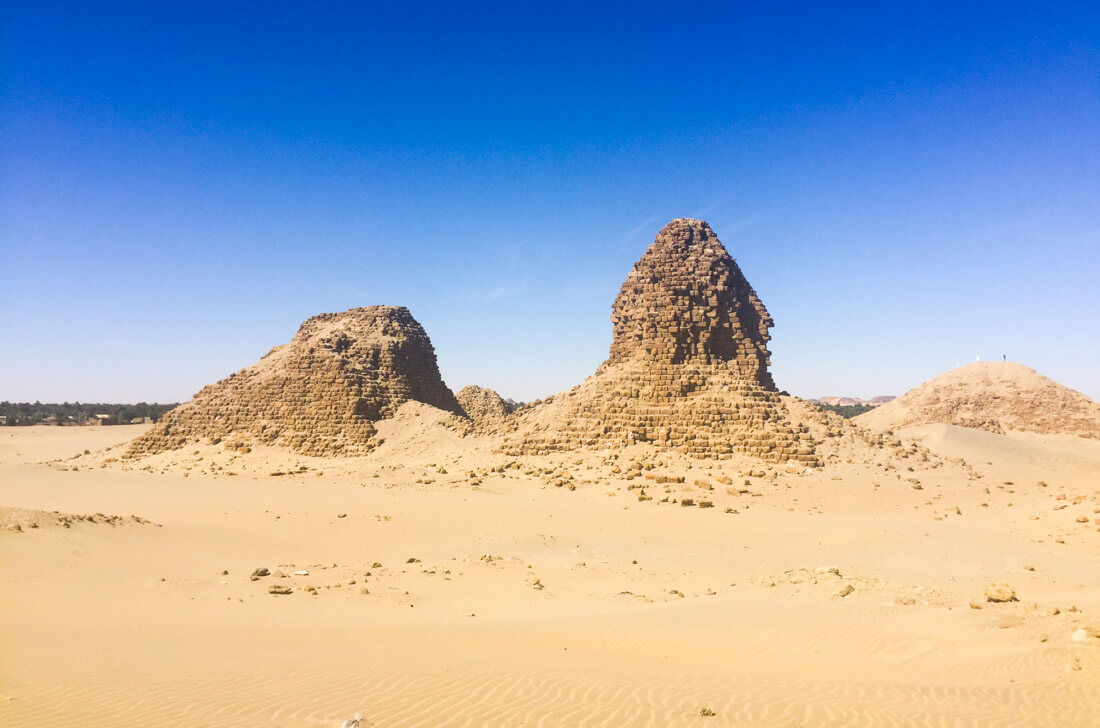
(544, 591)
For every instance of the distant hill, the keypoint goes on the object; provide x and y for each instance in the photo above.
(992, 396)
(853, 401)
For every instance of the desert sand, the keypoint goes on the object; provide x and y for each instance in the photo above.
(672, 542)
(840, 597)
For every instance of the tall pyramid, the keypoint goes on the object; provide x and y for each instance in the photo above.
(320, 394)
(688, 365)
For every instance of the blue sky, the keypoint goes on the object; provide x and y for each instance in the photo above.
(907, 188)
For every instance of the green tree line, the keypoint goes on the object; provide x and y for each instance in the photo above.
(75, 413)
(846, 410)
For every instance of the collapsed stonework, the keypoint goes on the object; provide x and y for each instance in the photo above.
(319, 394)
(687, 368)
(485, 408)
(993, 396)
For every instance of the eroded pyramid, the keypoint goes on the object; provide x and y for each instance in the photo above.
(320, 394)
(688, 365)
(993, 396)
(485, 408)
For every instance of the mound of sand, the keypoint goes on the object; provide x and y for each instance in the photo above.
(991, 396)
(320, 394)
(688, 366)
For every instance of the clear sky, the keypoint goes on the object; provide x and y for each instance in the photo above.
(181, 184)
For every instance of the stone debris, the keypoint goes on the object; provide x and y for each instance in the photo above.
(688, 365)
(1082, 635)
(18, 519)
(485, 408)
(1000, 592)
(318, 395)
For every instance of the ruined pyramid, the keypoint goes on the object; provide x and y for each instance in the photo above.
(320, 394)
(688, 365)
(992, 396)
(485, 408)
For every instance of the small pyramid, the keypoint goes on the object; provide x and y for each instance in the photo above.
(687, 368)
(317, 395)
(483, 406)
(992, 396)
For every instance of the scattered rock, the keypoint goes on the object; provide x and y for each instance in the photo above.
(279, 589)
(1000, 592)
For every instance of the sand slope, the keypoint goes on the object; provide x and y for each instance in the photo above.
(550, 591)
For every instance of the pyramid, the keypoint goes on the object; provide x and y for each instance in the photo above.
(485, 408)
(687, 368)
(320, 394)
(992, 396)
